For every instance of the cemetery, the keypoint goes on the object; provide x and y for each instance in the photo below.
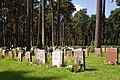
(43, 66)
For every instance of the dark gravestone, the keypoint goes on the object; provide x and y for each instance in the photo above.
(41, 55)
(86, 51)
(57, 58)
(98, 52)
(14, 52)
(111, 56)
(10, 54)
(20, 53)
(79, 58)
(28, 57)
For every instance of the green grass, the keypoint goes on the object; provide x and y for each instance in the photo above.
(95, 70)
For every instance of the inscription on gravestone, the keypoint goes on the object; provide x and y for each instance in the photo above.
(111, 56)
(57, 58)
(79, 58)
(98, 51)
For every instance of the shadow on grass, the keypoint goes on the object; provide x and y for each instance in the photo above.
(91, 69)
(20, 75)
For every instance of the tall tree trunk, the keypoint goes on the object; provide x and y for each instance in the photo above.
(63, 31)
(39, 30)
(58, 21)
(103, 19)
(52, 13)
(43, 23)
(28, 25)
(31, 22)
(98, 24)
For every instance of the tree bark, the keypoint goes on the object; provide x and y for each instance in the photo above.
(98, 24)
(28, 25)
(43, 23)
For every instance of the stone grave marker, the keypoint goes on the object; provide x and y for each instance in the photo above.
(69, 53)
(79, 58)
(14, 52)
(10, 54)
(103, 50)
(3, 52)
(57, 58)
(111, 56)
(41, 55)
(1, 49)
(86, 51)
(98, 52)
(20, 54)
(28, 56)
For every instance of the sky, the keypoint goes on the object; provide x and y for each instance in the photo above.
(91, 6)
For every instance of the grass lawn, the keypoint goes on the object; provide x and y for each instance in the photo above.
(95, 70)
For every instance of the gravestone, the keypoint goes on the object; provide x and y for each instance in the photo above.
(20, 53)
(69, 53)
(1, 49)
(41, 56)
(98, 52)
(57, 58)
(103, 50)
(10, 54)
(14, 52)
(111, 56)
(86, 51)
(79, 58)
(3, 52)
(28, 56)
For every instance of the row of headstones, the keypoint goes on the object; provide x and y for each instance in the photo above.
(111, 54)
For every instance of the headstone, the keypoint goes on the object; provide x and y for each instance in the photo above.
(41, 56)
(86, 51)
(79, 58)
(69, 53)
(57, 58)
(28, 56)
(14, 52)
(10, 54)
(1, 49)
(103, 50)
(98, 52)
(111, 56)
(3, 52)
(20, 53)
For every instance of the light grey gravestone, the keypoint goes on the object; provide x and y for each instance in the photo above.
(79, 58)
(28, 56)
(41, 56)
(57, 58)
(20, 54)
(98, 52)
(3, 52)
(14, 52)
(1, 49)
(103, 50)
(86, 51)
(10, 54)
